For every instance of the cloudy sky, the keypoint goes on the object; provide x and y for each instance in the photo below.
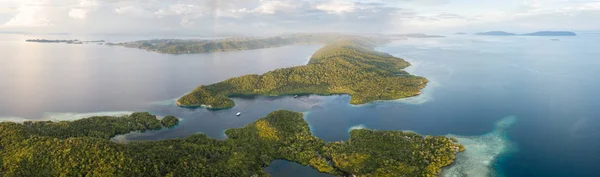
(277, 16)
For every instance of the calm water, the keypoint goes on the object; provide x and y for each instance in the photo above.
(42, 78)
(550, 87)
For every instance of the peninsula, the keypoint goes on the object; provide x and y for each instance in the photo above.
(190, 46)
(83, 148)
(346, 66)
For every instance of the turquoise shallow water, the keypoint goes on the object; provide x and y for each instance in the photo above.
(549, 88)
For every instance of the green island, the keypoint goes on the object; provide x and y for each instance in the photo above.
(190, 46)
(345, 66)
(83, 148)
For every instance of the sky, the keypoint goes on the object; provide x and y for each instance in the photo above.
(285, 16)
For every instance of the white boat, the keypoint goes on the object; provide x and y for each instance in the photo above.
(295, 96)
(238, 114)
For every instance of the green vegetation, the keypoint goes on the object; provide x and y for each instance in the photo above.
(343, 67)
(68, 149)
(391, 153)
(281, 135)
(186, 46)
(169, 121)
(97, 127)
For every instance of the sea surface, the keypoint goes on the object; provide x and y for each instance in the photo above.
(522, 106)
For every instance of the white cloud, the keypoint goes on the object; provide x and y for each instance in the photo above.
(591, 6)
(336, 6)
(180, 9)
(273, 6)
(6, 10)
(29, 13)
(78, 13)
(251, 16)
(81, 10)
(129, 10)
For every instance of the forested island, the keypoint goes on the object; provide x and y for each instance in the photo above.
(188, 46)
(346, 66)
(83, 148)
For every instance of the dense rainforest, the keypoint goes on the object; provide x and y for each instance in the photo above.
(83, 148)
(346, 66)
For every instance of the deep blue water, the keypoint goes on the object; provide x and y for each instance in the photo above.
(551, 87)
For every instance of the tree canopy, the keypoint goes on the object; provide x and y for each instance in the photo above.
(57, 149)
(343, 67)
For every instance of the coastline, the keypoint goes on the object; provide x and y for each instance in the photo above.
(348, 66)
(289, 95)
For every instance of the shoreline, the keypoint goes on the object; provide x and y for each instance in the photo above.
(288, 95)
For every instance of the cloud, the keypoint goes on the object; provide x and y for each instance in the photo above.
(83, 8)
(78, 13)
(336, 6)
(273, 6)
(277, 16)
(30, 13)
(131, 10)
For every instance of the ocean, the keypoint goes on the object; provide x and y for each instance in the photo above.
(522, 106)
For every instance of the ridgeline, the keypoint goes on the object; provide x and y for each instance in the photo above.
(343, 67)
(83, 148)
(190, 46)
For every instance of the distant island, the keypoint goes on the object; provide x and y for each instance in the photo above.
(75, 41)
(460, 33)
(539, 33)
(552, 33)
(190, 46)
(84, 148)
(348, 66)
(415, 35)
(496, 33)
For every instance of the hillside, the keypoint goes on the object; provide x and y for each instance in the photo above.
(344, 67)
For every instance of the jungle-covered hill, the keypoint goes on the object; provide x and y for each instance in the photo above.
(83, 148)
(346, 66)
